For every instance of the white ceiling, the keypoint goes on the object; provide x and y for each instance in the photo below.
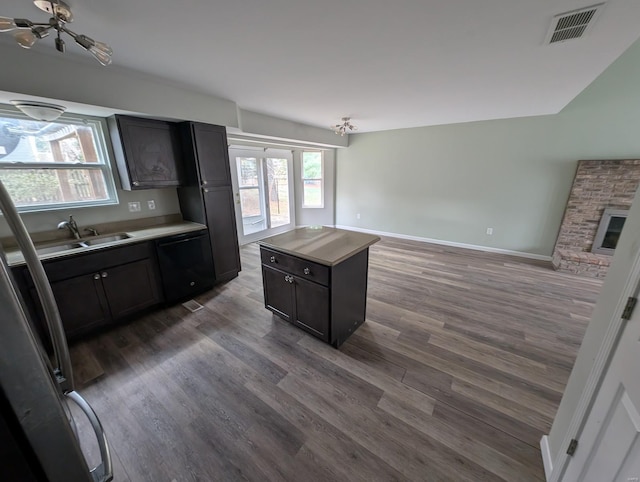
(386, 64)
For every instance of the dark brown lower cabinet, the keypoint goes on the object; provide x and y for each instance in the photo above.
(328, 302)
(81, 302)
(221, 220)
(98, 288)
(302, 302)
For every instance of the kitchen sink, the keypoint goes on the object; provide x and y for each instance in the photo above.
(105, 239)
(59, 247)
(82, 243)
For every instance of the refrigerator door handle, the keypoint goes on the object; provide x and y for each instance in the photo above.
(63, 369)
(104, 471)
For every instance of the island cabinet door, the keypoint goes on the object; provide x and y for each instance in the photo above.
(311, 307)
(278, 292)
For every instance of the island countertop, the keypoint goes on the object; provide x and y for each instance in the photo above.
(321, 244)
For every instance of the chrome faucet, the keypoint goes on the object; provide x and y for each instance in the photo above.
(93, 231)
(72, 226)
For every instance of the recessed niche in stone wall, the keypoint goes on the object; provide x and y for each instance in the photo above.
(598, 185)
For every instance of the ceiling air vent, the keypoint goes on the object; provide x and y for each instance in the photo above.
(574, 24)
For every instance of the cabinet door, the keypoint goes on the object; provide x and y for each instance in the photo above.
(81, 303)
(278, 292)
(221, 220)
(148, 152)
(312, 308)
(130, 287)
(212, 154)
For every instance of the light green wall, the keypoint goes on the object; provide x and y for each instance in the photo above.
(514, 175)
(452, 182)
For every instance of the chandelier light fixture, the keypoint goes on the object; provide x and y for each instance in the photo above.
(344, 127)
(27, 32)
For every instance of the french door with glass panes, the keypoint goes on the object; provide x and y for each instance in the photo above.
(262, 182)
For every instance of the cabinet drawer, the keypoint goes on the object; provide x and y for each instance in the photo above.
(296, 266)
(85, 263)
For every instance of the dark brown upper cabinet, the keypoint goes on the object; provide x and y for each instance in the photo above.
(206, 147)
(148, 152)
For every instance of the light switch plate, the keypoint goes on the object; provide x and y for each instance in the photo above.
(134, 207)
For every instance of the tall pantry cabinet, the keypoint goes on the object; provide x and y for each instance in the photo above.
(207, 196)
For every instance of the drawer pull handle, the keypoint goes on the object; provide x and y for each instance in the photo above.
(96, 276)
(104, 274)
(272, 259)
(136, 183)
(307, 271)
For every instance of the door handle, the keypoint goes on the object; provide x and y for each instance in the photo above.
(104, 471)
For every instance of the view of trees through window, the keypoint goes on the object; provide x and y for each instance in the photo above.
(45, 164)
(312, 180)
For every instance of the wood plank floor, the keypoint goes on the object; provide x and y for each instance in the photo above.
(455, 375)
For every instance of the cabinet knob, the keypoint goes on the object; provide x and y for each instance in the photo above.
(204, 183)
(272, 259)
(104, 274)
(206, 190)
(288, 278)
(307, 271)
(96, 276)
(193, 283)
(136, 183)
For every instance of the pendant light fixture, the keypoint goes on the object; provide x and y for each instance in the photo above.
(27, 32)
(344, 127)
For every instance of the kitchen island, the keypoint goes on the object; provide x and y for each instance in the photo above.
(316, 278)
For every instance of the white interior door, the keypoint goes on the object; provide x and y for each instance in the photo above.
(609, 446)
(262, 181)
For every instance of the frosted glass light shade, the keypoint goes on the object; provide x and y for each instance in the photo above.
(39, 110)
(7, 24)
(25, 38)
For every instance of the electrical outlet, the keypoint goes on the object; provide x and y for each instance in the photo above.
(134, 207)
(489, 231)
(358, 216)
(151, 204)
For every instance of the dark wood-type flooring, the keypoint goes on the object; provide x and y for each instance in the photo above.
(455, 375)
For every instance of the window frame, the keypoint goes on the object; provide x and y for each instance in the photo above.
(321, 179)
(99, 131)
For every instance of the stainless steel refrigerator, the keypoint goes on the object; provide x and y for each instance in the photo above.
(38, 436)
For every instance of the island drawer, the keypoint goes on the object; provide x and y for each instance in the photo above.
(296, 266)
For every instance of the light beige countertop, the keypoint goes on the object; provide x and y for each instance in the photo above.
(135, 235)
(321, 244)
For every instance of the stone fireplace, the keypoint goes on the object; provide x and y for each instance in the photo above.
(601, 190)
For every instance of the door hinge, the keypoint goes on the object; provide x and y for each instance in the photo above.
(573, 445)
(628, 309)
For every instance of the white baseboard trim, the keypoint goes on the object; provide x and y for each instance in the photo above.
(488, 249)
(546, 456)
